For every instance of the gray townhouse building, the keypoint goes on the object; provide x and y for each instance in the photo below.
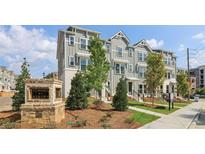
(199, 74)
(125, 59)
(7, 80)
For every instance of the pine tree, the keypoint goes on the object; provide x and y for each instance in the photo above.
(77, 98)
(120, 98)
(19, 96)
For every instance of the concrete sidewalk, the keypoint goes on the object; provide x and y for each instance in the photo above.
(166, 105)
(181, 118)
(146, 111)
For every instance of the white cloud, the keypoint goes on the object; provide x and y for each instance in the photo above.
(196, 60)
(199, 36)
(17, 42)
(155, 44)
(181, 47)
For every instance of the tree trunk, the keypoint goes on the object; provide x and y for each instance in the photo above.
(100, 95)
(152, 98)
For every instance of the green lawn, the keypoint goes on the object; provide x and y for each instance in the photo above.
(176, 104)
(160, 109)
(142, 118)
(91, 100)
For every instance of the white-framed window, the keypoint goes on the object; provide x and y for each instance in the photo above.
(71, 61)
(119, 68)
(83, 43)
(130, 68)
(141, 72)
(142, 56)
(167, 61)
(130, 52)
(167, 88)
(119, 51)
(168, 75)
(71, 40)
(84, 62)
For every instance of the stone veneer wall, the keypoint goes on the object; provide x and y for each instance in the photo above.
(41, 114)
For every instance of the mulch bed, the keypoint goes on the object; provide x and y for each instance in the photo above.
(10, 114)
(94, 117)
(98, 118)
(10, 119)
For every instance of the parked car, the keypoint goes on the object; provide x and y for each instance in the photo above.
(196, 98)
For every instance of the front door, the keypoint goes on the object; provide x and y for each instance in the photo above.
(130, 88)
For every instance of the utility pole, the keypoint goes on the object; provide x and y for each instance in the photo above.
(188, 71)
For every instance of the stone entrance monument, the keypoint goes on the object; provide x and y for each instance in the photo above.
(43, 103)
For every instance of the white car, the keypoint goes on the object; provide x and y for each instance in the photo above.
(196, 98)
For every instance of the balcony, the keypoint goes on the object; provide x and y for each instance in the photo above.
(82, 51)
(120, 57)
(131, 76)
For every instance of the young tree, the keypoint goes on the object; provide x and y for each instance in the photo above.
(97, 70)
(50, 75)
(154, 75)
(200, 91)
(19, 96)
(77, 98)
(120, 98)
(182, 84)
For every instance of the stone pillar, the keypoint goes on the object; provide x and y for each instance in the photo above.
(42, 112)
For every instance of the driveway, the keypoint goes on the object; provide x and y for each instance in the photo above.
(182, 118)
(5, 104)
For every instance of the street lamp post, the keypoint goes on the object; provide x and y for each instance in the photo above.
(170, 97)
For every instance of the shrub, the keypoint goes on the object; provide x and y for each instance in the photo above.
(103, 119)
(6, 123)
(129, 120)
(109, 114)
(98, 104)
(105, 126)
(79, 123)
(77, 98)
(120, 98)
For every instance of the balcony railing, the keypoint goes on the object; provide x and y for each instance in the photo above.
(120, 55)
(82, 49)
(131, 76)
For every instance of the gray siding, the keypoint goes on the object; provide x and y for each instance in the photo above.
(113, 58)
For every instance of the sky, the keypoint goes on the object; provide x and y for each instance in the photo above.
(38, 43)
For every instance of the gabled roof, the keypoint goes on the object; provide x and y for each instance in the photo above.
(143, 42)
(121, 34)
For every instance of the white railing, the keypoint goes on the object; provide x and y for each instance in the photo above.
(119, 55)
